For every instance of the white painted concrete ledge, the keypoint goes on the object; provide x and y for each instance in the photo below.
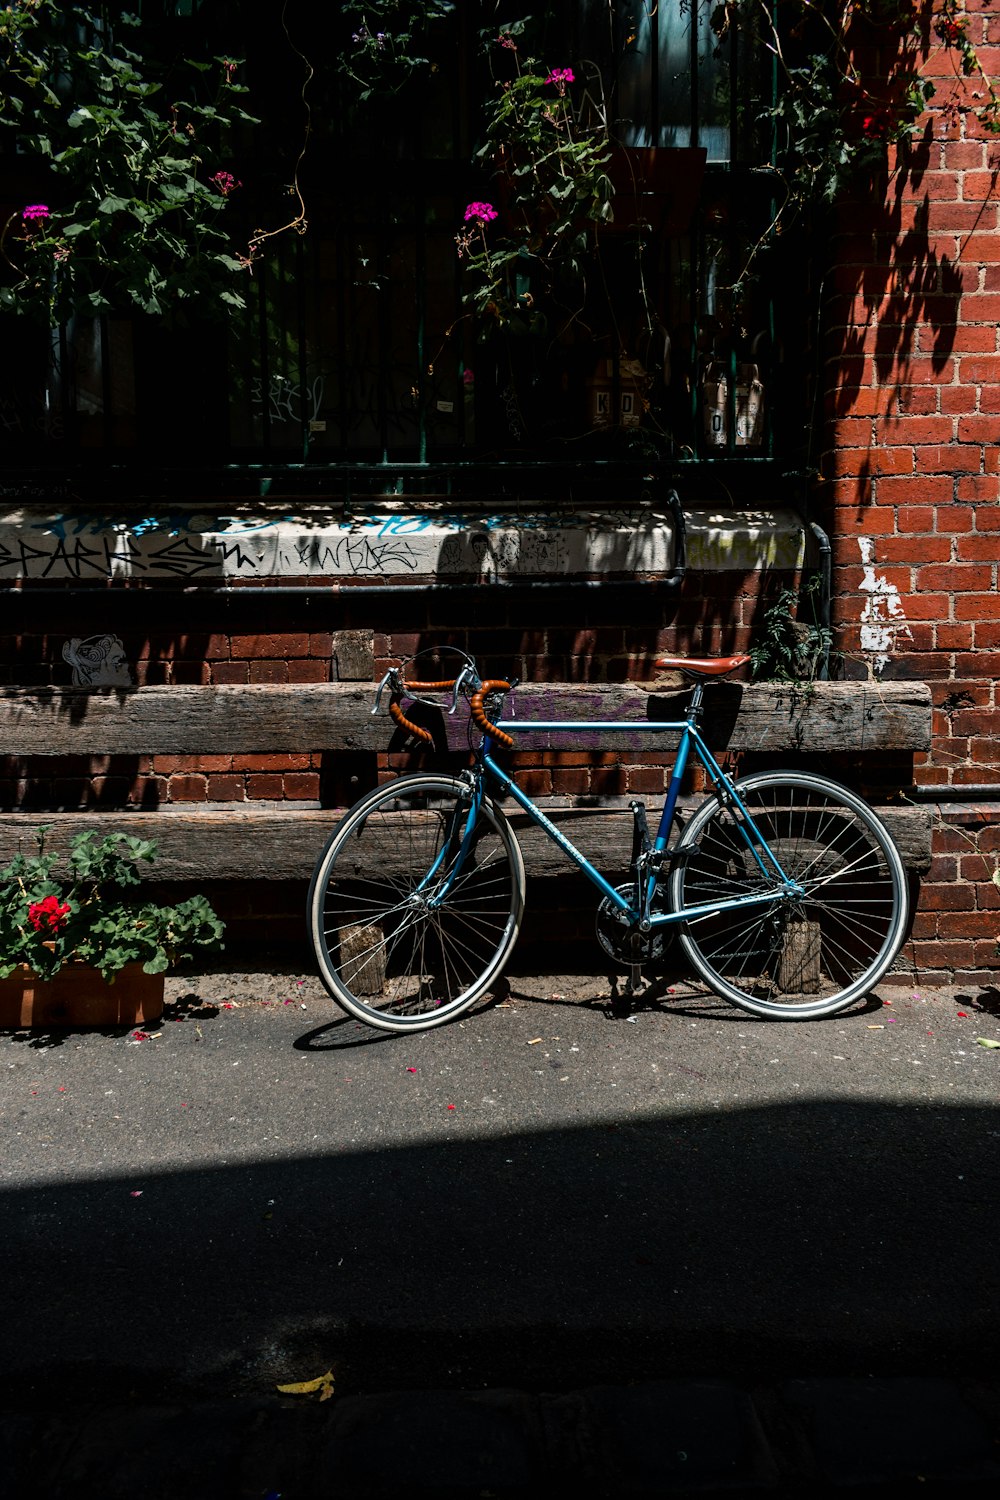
(193, 545)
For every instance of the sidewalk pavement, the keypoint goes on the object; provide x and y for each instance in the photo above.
(696, 1208)
(801, 1438)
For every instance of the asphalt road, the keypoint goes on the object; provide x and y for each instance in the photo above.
(541, 1195)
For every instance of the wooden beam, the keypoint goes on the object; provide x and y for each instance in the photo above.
(245, 842)
(190, 720)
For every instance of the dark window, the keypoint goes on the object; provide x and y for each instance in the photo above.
(356, 348)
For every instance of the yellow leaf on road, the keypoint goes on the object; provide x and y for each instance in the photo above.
(323, 1384)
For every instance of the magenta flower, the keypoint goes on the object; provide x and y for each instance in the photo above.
(225, 182)
(484, 212)
(560, 77)
(35, 211)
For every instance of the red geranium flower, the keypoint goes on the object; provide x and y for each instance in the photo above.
(50, 913)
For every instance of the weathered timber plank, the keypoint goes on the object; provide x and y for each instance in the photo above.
(257, 844)
(825, 717)
(829, 716)
(189, 720)
(283, 844)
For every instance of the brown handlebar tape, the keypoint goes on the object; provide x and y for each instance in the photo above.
(404, 723)
(478, 713)
(419, 687)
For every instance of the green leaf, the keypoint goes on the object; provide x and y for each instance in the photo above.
(113, 205)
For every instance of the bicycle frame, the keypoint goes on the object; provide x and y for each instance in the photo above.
(689, 738)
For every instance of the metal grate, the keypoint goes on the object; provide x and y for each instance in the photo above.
(355, 348)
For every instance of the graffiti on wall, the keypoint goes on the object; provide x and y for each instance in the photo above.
(287, 400)
(48, 543)
(98, 661)
(36, 544)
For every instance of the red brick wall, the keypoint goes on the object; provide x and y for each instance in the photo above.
(913, 476)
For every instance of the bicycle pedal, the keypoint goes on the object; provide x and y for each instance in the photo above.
(634, 984)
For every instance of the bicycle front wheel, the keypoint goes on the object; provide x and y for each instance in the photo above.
(794, 958)
(412, 911)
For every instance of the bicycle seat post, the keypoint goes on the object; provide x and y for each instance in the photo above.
(694, 707)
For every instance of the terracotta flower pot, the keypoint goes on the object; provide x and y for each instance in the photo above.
(78, 996)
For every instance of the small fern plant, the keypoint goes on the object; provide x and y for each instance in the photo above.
(790, 648)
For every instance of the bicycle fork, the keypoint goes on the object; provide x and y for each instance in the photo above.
(453, 865)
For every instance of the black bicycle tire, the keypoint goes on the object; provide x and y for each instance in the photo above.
(714, 808)
(442, 786)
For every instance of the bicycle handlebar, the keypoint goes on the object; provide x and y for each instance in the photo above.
(477, 712)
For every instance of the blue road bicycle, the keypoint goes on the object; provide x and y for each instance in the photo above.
(787, 893)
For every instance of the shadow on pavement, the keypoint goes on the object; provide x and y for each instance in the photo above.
(815, 1238)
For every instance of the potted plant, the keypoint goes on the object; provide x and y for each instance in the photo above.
(81, 946)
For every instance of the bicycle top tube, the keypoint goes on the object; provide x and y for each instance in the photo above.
(593, 726)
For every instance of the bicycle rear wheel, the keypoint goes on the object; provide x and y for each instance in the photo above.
(794, 959)
(411, 920)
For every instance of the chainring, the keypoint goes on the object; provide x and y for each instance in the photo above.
(622, 941)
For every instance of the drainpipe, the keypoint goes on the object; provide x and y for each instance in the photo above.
(825, 591)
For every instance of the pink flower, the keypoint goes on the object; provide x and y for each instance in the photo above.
(50, 913)
(484, 212)
(35, 211)
(560, 77)
(225, 182)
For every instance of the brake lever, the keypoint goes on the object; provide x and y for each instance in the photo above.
(391, 679)
(467, 674)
